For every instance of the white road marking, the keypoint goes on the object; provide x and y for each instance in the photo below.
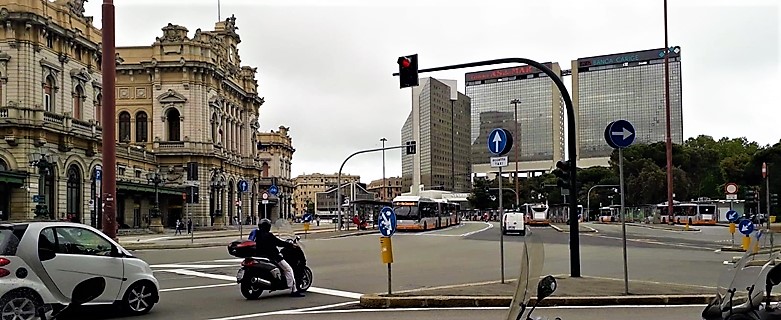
(192, 266)
(325, 291)
(488, 226)
(198, 287)
(654, 242)
(284, 312)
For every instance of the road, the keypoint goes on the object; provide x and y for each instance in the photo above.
(199, 283)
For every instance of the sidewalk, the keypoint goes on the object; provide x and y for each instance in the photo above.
(583, 291)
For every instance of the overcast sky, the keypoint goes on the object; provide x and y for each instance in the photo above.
(324, 67)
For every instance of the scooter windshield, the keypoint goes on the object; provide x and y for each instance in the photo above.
(747, 274)
(532, 259)
(283, 229)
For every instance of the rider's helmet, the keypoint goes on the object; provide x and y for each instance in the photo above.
(264, 225)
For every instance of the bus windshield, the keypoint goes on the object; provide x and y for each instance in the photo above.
(539, 209)
(406, 212)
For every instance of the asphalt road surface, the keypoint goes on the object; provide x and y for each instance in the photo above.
(199, 283)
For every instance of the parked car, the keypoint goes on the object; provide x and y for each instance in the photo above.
(42, 262)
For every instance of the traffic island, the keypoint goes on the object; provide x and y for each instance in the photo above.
(583, 291)
(664, 227)
(565, 228)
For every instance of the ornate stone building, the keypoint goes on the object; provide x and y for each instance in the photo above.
(275, 150)
(392, 188)
(186, 110)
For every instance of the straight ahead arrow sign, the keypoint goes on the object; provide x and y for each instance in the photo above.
(625, 134)
(497, 140)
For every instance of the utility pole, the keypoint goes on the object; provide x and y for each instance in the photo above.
(109, 146)
(669, 141)
(384, 183)
(517, 134)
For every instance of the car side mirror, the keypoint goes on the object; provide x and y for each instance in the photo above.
(88, 290)
(546, 287)
(45, 254)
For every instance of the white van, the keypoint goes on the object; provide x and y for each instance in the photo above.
(514, 221)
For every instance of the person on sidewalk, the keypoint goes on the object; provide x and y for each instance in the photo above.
(178, 227)
(266, 244)
(189, 225)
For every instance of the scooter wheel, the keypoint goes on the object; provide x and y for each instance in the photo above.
(743, 317)
(249, 293)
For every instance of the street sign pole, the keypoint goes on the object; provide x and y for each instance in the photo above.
(501, 224)
(623, 217)
(386, 224)
(500, 142)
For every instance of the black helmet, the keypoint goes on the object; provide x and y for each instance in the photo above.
(264, 225)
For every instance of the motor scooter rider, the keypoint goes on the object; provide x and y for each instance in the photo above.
(266, 244)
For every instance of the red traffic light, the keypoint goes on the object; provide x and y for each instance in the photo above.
(404, 62)
(561, 165)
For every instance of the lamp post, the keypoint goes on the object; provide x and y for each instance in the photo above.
(516, 146)
(588, 197)
(384, 184)
(44, 163)
(156, 178)
(453, 144)
(217, 184)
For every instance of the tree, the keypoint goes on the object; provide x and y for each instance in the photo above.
(310, 206)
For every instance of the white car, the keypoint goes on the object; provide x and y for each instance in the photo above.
(42, 262)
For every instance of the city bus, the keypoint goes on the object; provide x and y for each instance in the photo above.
(691, 213)
(610, 214)
(419, 213)
(536, 213)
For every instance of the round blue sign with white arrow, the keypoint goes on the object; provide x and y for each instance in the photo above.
(620, 134)
(500, 141)
(386, 221)
(733, 216)
(746, 226)
(307, 217)
(243, 185)
(273, 189)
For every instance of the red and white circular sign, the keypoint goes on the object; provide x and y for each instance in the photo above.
(731, 188)
(265, 196)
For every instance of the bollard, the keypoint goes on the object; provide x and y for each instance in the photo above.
(746, 243)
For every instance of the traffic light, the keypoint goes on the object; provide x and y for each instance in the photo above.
(750, 195)
(192, 194)
(774, 199)
(411, 147)
(562, 173)
(192, 171)
(408, 71)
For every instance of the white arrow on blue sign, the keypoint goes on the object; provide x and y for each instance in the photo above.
(273, 190)
(386, 221)
(307, 217)
(746, 226)
(98, 173)
(499, 141)
(733, 216)
(243, 186)
(620, 134)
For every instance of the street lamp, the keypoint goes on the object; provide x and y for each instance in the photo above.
(588, 198)
(217, 183)
(384, 184)
(517, 146)
(156, 178)
(45, 165)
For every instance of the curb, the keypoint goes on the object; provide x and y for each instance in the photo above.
(373, 301)
(230, 234)
(557, 228)
(354, 234)
(691, 229)
(158, 246)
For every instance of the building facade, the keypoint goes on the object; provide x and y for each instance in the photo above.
(390, 190)
(276, 150)
(307, 186)
(325, 202)
(439, 123)
(627, 86)
(538, 134)
(187, 115)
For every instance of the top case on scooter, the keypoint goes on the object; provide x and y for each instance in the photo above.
(242, 249)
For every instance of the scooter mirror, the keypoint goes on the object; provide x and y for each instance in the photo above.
(774, 275)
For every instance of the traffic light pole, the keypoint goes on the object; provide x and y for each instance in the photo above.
(571, 141)
(339, 181)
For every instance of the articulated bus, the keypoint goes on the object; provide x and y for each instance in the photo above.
(691, 213)
(417, 213)
(536, 213)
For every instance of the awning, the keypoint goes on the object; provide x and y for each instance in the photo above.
(138, 187)
(12, 177)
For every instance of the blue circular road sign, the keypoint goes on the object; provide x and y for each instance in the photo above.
(746, 226)
(307, 217)
(620, 134)
(500, 141)
(733, 216)
(386, 221)
(273, 190)
(243, 185)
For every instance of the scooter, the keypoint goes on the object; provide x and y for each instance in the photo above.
(260, 274)
(84, 292)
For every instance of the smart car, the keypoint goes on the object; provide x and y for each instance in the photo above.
(42, 262)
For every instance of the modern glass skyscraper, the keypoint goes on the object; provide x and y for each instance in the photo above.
(540, 126)
(439, 122)
(627, 86)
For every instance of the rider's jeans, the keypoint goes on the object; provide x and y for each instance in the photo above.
(288, 271)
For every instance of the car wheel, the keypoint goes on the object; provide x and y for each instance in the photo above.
(306, 280)
(139, 298)
(249, 292)
(20, 305)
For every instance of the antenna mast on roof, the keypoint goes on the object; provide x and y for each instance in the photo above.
(219, 18)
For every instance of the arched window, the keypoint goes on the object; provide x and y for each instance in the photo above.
(74, 193)
(264, 168)
(215, 127)
(230, 202)
(3, 165)
(48, 94)
(78, 104)
(173, 121)
(99, 109)
(124, 126)
(142, 133)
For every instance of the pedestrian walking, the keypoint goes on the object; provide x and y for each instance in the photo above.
(178, 227)
(189, 225)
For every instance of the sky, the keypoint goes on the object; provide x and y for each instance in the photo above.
(324, 66)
